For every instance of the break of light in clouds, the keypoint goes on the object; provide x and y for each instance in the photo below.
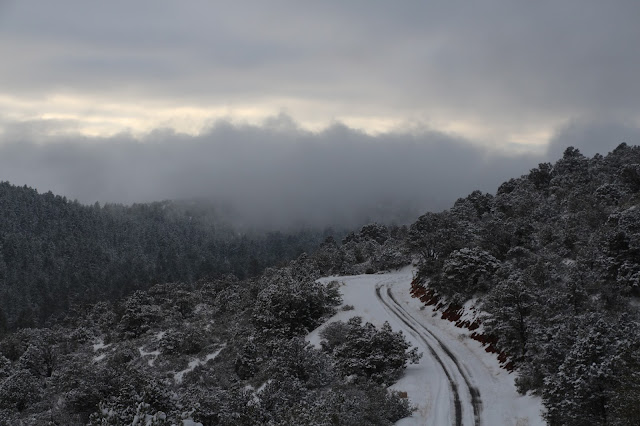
(314, 110)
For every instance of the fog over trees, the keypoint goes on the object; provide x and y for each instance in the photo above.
(278, 175)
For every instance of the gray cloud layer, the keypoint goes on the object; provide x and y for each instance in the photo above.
(277, 175)
(500, 61)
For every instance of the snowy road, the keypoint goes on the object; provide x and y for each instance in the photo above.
(465, 396)
(456, 381)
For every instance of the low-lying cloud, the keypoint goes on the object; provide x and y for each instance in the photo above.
(278, 175)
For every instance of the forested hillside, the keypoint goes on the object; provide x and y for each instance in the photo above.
(56, 253)
(219, 352)
(554, 260)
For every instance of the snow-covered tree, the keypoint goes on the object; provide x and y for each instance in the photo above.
(289, 307)
(582, 390)
(510, 305)
(466, 272)
(365, 352)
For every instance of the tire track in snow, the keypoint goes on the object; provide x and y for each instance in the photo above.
(407, 321)
(474, 392)
(426, 383)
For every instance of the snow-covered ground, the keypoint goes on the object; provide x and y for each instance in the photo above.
(195, 363)
(100, 345)
(456, 382)
(153, 355)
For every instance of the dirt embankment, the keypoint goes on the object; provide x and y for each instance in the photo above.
(454, 314)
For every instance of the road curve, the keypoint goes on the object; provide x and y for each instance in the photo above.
(465, 397)
(456, 382)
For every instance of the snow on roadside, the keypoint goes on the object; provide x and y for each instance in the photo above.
(426, 383)
(502, 404)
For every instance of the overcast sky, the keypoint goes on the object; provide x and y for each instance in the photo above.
(138, 100)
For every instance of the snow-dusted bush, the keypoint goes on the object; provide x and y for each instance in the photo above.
(139, 314)
(291, 403)
(295, 359)
(589, 381)
(465, 272)
(289, 306)
(364, 352)
(20, 390)
(190, 340)
(217, 406)
(391, 255)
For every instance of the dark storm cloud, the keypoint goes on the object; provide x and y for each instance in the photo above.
(274, 175)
